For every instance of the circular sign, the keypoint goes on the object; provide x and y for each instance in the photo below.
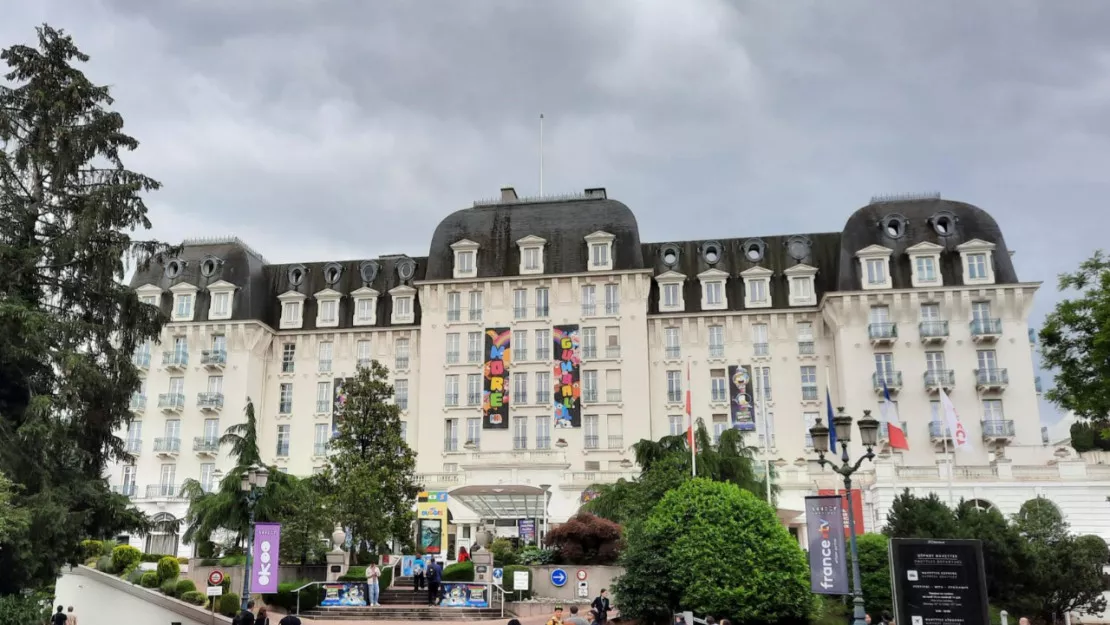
(498, 575)
(558, 578)
(215, 578)
(581, 575)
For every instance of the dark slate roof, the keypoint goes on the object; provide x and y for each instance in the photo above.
(563, 223)
(823, 251)
(865, 227)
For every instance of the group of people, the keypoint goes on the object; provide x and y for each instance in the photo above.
(248, 617)
(62, 617)
(428, 572)
(598, 614)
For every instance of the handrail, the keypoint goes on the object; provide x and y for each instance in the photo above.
(298, 591)
(493, 585)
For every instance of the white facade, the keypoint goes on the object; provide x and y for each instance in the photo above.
(968, 337)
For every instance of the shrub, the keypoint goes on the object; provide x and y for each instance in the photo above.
(459, 572)
(235, 560)
(874, 569)
(92, 549)
(168, 568)
(131, 568)
(286, 598)
(206, 549)
(169, 587)
(586, 539)
(713, 548)
(508, 583)
(194, 597)
(535, 555)
(209, 561)
(184, 586)
(229, 604)
(354, 574)
(135, 576)
(104, 564)
(502, 551)
(183, 561)
(149, 579)
(152, 557)
(124, 556)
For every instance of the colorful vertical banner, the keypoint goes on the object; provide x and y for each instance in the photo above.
(264, 564)
(568, 377)
(495, 395)
(338, 401)
(828, 562)
(740, 390)
(857, 506)
(526, 529)
(431, 524)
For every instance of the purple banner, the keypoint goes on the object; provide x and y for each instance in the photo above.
(828, 564)
(264, 566)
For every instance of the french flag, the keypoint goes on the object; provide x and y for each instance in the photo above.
(894, 426)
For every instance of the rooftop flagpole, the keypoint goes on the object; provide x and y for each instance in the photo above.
(690, 416)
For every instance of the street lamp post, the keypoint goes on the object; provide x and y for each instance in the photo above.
(869, 436)
(252, 482)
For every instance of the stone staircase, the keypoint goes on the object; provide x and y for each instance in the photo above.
(402, 603)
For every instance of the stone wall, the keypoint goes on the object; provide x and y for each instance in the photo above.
(597, 577)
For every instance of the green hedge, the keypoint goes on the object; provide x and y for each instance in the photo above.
(286, 598)
(184, 586)
(92, 548)
(149, 580)
(183, 561)
(135, 576)
(459, 572)
(104, 564)
(152, 557)
(124, 556)
(169, 587)
(168, 568)
(229, 604)
(194, 598)
(508, 581)
(236, 560)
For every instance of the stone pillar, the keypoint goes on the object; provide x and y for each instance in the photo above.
(337, 558)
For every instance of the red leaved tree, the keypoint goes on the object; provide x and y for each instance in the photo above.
(586, 539)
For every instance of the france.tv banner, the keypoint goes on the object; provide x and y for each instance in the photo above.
(828, 564)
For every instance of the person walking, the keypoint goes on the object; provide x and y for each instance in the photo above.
(574, 619)
(263, 617)
(418, 574)
(71, 618)
(373, 577)
(601, 606)
(59, 617)
(433, 575)
(246, 617)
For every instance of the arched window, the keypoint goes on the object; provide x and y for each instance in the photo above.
(164, 539)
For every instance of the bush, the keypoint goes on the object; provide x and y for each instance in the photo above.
(209, 562)
(354, 574)
(135, 576)
(236, 560)
(22, 609)
(459, 572)
(286, 598)
(508, 583)
(92, 549)
(169, 587)
(168, 568)
(149, 579)
(104, 564)
(194, 597)
(535, 555)
(502, 551)
(184, 586)
(229, 604)
(586, 539)
(124, 556)
(131, 568)
(874, 570)
(713, 548)
(206, 549)
(152, 557)
(183, 561)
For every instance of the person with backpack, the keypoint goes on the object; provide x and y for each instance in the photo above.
(434, 574)
(246, 617)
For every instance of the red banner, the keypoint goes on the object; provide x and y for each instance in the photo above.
(857, 506)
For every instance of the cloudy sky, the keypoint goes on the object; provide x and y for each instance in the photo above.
(319, 129)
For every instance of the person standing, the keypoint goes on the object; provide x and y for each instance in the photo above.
(246, 617)
(373, 577)
(574, 619)
(418, 574)
(556, 616)
(263, 617)
(601, 606)
(433, 575)
(71, 618)
(59, 617)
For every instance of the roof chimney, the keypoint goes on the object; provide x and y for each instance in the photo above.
(597, 192)
(508, 194)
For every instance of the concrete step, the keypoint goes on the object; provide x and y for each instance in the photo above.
(402, 613)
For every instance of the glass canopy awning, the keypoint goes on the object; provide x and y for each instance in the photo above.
(502, 502)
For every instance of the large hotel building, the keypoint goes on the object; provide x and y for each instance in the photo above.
(540, 339)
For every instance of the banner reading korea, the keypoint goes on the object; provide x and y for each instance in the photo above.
(264, 568)
(828, 565)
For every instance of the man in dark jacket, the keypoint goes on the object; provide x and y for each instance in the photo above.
(434, 575)
(601, 606)
(246, 617)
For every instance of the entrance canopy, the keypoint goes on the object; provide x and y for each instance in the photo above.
(502, 501)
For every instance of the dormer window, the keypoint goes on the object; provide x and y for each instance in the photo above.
(149, 295)
(802, 291)
(670, 292)
(925, 264)
(466, 258)
(600, 248)
(184, 301)
(292, 310)
(713, 289)
(221, 293)
(327, 308)
(366, 306)
(874, 267)
(757, 287)
(402, 297)
(531, 254)
(977, 258)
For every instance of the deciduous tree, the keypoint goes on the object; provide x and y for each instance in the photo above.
(586, 539)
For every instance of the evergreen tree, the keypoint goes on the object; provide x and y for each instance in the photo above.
(68, 324)
(372, 481)
(920, 517)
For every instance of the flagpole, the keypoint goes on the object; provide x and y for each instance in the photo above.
(690, 415)
(759, 391)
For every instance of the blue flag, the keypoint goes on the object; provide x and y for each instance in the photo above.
(832, 430)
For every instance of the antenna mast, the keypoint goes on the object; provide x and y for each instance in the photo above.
(541, 154)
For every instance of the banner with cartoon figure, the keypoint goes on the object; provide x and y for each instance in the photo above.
(495, 395)
(568, 385)
(344, 594)
(464, 595)
(740, 393)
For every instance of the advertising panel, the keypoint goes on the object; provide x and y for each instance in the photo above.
(495, 393)
(526, 528)
(828, 564)
(740, 392)
(431, 523)
(938, 582)
(857, 507)
(264, 560)
(567, 376)
(465, 595)
(344, 594)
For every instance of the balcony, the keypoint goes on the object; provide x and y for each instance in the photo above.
(589, 352)
(616, 441)
(167, 446)
(362, 363)
(323, 406)
(210, 402)
(807, 348)
(474, 356)
(589, 395)
(986, 330)
(589, 310)
(401, 363)
(938, 431)
(998, 429)
(133, 446)
(543, 397)
(213, 359)
(531, 458)
(175, 360)
(672, 353)
(138, 402)
(716, 351)
(127, 490)
(612, 309)
(520, 312)
(994, 379)
(543, 354)
(142, 361)
(883, 333)
(323, 366)
(674, 397)
(454, 314)
(933, 331)
(319, 450)
(543, 442)
(762, 350)
(453, 358)
(589, 478)
(438, 479)
(475, 314)
(171, 402)
(884, 430)
(809, 393)
(206, 446)
(473, 399)
(163, 491)
(520, 443)
(542, 312)
(451, 400)
(450, 444)
(591, 441)
(892, 379)
(941, 379)
(612, 351)
(613, 395)
(520, 354)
